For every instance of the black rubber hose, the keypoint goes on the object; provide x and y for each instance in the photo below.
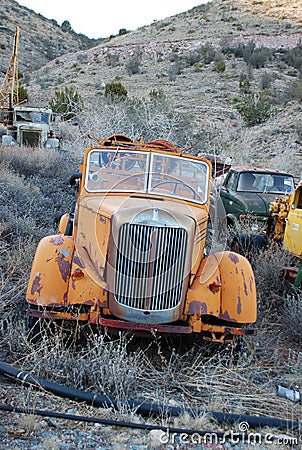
(111, 422)
(142, 408)
(208, 436)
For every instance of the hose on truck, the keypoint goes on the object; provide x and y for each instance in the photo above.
(142, 408)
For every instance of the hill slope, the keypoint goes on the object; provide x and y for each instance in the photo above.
(41, 39)
(197, 60)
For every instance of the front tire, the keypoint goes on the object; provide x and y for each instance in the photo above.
(34, 326)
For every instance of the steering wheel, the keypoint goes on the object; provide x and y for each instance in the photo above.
(176, 182)
(109, 160)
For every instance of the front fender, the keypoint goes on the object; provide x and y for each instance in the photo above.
(48, 282)
(225, 288)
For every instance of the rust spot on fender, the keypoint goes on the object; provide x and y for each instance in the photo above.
(64, 267)
(197, 307)
(239, 306)
(244, 283)
(57, 240)
(78, 262)
(36, 286)
(226, 316)
(234, 258)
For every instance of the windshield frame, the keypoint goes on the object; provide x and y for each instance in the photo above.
(118, 152)
(148, 176)
(174, 179)
(262, 186)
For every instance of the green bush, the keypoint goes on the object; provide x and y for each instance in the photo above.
(244, 84)
(209, 54)
(192, 57)
(115, 90)
(260, 57)
(253, 56)
(255, 108)
(157, 95)
(174, 70)
(68, 103)
(266, 80)
(294, 90)
(122, 31)
(293, 57)
(219, 66)
(66, 26)
(22, 93)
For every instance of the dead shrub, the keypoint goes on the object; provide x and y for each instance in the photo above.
(271, 288)
(291, 317)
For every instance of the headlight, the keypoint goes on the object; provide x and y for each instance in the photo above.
(254, 227)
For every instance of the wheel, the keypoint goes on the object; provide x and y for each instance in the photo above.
(36, 327)
(33, 328)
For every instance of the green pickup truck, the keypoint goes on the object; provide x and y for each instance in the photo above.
(246, 193)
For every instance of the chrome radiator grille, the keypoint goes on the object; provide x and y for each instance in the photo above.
(150, 266)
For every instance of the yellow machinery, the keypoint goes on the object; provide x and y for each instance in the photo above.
(287, 227)
(132, 254)
(9, 88)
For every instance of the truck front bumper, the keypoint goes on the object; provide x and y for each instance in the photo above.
(214, 333)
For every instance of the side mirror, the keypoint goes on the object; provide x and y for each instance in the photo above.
(74, 178)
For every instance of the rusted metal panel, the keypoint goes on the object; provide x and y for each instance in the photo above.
(224, 288)
(49, 276)
(123, 325)
(238, 291)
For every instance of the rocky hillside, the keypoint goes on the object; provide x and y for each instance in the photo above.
(198, 61)
(41, 39)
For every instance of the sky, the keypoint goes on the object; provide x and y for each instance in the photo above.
(99, 19)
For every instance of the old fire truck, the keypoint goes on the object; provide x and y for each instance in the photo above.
(132, 255)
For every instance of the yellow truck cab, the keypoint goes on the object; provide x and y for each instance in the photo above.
(293, 230)
(132, 256)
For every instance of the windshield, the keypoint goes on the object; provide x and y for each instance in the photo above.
(271, 183)
(161, 174)
(32, 116)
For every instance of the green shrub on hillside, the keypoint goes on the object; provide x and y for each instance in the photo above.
(293, 57)
(115, 90)
(294, 90)
(22, 93)
(219, 66)
(253, 56)
(244, 84)
(175, 70)
(67, 103)
(255, 108)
